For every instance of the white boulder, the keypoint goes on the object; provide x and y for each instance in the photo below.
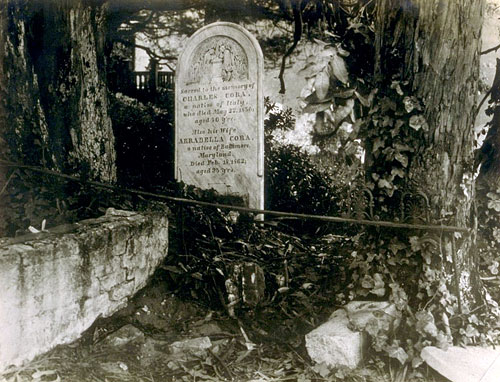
(334, 343)
(341, 340)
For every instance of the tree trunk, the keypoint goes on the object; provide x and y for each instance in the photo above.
(433, 46)
(56, 100)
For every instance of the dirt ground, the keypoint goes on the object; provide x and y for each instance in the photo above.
(161, 338)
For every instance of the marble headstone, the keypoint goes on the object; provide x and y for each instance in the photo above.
(219, 126)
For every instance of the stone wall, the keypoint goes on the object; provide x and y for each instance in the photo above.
(55, 284)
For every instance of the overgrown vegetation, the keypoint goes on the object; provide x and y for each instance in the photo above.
(309, 268)
(297, 181)
(406, 267)
(144, 134)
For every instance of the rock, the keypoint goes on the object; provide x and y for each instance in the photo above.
(469, 364)
(124, 335)
(360, 313)
(194, 346)
(334, 343)
(341, 341)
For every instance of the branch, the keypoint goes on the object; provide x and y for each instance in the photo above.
(495, 48)
(297, 34)
(481, 103)
(151, 53)
(8, 181)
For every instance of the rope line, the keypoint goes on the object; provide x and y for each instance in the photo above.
(332, 219)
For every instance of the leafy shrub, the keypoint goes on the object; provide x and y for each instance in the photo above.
(144, 141)
(297, 181)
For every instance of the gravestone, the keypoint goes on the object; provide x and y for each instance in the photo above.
(219, 128)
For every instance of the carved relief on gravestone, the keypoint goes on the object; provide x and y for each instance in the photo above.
(218, 59)
(219, 128)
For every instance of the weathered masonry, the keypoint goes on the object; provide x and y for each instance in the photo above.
(219, 113)
(55, 284)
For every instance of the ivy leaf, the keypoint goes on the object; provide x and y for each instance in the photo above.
(379, 285)
(425, 323)
(401, 158)
(403, 147)
(397, 171)
(396, 86)
(493, 268)
(395, 247)
(378, 292)
(396, 130)
(410, 103)
(382, 183)
(492, 195)
(367, 282)
(494, 204)
(322, 84)
(377, 144)
(443, 341)
(395, 351)
(415, 244)
(418, 122)
(387, 121)
(470, 331)
(416, 362)
(473, 319)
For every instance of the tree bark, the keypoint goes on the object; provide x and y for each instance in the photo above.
(434, 46)
(56, 100)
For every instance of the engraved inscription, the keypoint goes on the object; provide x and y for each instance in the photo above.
(210, 112)
(218, 59)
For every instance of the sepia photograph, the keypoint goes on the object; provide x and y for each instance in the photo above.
(249, 190)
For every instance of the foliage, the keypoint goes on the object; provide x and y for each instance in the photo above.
(408, 268)
(394, 127)
(489, 243)
(208, 242)
(144, 141)
(296, 181)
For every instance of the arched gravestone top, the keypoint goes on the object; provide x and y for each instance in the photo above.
(219, 113)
